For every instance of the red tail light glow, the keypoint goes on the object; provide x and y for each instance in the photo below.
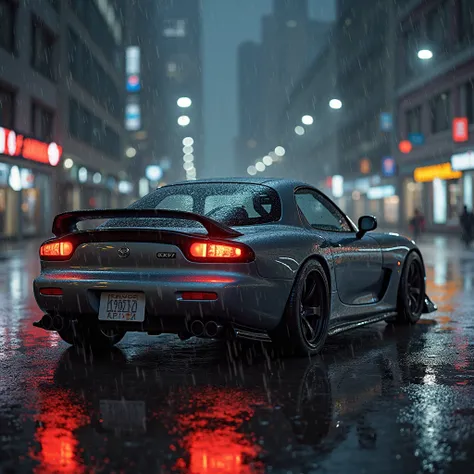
(51, 291)
(219, 251)
(56, 250)
(197, 295)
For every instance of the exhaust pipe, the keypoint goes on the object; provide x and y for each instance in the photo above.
(212, 329)
(197, 328)
(47, 322)
(58, 323)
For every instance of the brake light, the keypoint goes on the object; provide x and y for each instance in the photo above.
(198, 296)
(217, 251)
(51, 291)
(56, 250)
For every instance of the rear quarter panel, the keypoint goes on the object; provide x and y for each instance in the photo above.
(281, 250)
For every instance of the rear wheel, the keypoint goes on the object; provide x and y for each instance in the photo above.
(90, 336)
(411, 292)
(305, 322)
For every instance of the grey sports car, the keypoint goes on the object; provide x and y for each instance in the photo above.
(264, 259)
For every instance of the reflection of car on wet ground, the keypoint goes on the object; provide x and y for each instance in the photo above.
(263, 259)
(194, 412)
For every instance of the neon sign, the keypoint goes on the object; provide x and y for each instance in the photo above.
(14, 144)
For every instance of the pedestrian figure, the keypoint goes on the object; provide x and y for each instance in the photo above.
(417, 224)
(466, 220)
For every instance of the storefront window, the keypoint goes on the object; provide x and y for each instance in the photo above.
(390, 213)
(455, 201)
(439, 201)
(30, 211)
(467, 191)
(414, 198)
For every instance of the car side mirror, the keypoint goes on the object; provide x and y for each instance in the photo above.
(366, 224)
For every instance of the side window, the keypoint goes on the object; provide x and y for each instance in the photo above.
(319, 213)
(177, 202)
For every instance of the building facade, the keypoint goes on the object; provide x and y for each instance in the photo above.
(61, 111)
(290, 42)
(181, 128)
(435, 103)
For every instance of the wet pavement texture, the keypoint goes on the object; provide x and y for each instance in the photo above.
(379, 399)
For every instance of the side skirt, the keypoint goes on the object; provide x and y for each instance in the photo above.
(352, 325)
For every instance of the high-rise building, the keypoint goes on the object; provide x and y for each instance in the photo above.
(91, 98)
(181, 128)
(143, 103)
(290, 41)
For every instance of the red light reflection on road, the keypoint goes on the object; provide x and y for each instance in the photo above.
(213, 435)
(59, 417)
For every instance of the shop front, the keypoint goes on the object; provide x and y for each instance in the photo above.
(27, 176)
(437, 192)
(464, 162)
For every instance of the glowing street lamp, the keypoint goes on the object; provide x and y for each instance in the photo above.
(307, 120)
(184, 102)
(184, 120)
(335, 104)
(425, 54)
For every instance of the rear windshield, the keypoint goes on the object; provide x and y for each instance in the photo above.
(233, 204)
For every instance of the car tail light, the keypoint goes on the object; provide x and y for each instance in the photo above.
(198, 296)
(56, 250)
(220, 252)
(51, 291)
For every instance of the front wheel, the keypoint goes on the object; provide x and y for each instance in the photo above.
(304, 325)
(90, 336)
(411, 291)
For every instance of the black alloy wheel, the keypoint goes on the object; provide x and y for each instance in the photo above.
(411, 293)
(312, 306)
(304, 325)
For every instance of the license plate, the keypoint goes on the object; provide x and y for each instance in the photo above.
(124, 414)
(127, 307)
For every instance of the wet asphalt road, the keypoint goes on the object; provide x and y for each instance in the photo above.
(380, 399)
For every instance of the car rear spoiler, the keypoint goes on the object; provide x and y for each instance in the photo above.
(65, 223)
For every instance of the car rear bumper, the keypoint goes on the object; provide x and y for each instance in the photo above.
(245, 300)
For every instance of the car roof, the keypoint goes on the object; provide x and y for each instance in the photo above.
(278, 184)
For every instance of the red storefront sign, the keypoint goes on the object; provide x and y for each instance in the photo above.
(460, 129)
(14, 144)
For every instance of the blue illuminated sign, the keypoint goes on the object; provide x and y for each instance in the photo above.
(389, 167)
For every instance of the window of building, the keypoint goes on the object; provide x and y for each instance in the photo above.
(438, 26)
(91, 76)
(466, 21)
(468, 99)
(440, 107)
(87, 128)
(7, 25)
(413, 119)
(411, 45)
(7, 108)
(174, 28)
(42, 121)
(42, 49)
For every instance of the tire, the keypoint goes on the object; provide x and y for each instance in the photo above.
(411, 291)
(303, 329)
(90, 336)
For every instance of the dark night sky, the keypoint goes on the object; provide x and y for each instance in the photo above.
(226, 23)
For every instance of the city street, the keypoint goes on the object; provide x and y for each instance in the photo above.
(379, 399)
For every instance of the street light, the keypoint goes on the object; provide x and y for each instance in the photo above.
(131, 152)
(184, 102)
(188, 141)
(299, 130)
(279, 151)
(184, 120)
(335, 104)
(307, 120)
(251, 170)
(267, 160)
(260, 166)
(425, 54)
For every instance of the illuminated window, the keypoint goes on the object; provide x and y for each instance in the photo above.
(174, 28)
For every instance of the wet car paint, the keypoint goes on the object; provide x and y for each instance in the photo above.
(379, 399)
